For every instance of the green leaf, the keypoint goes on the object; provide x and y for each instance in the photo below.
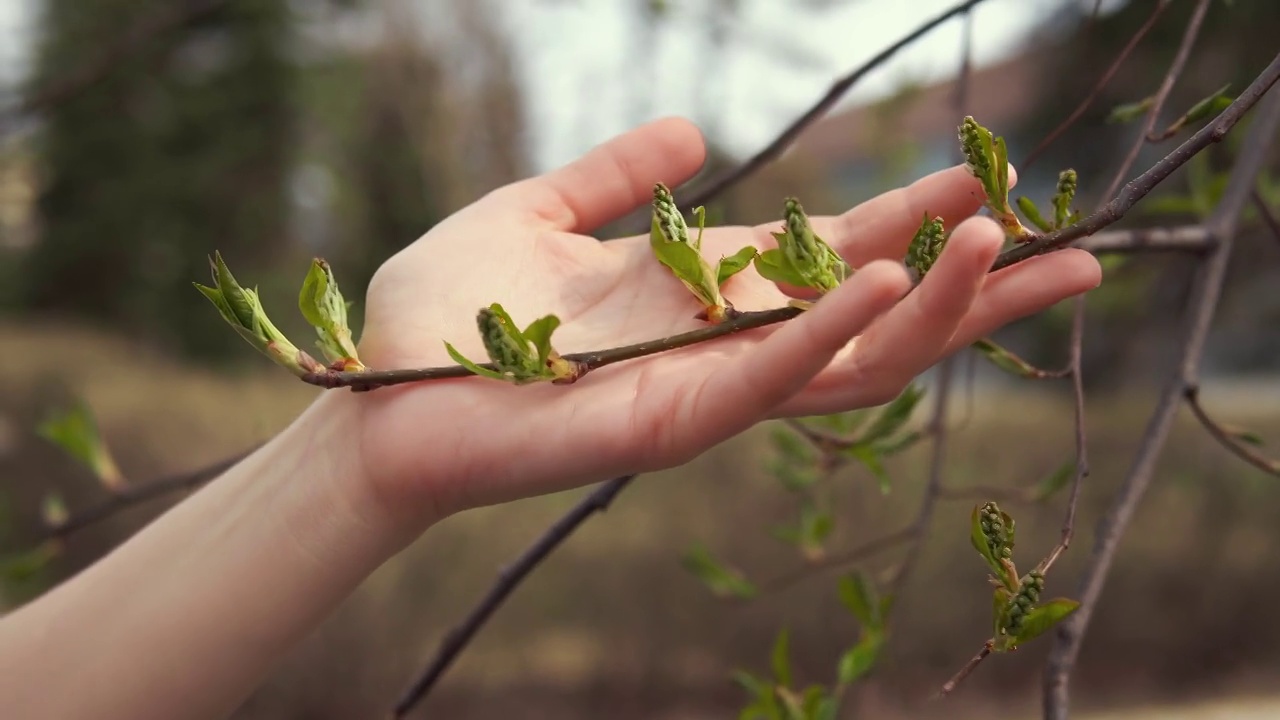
(858, 660)
(1032, 213)
(1131, 111)
(1055, 482)
(999, 607)
(979, 539)
(859, 595)
(773, 265)
(464, 362)
(688, 265)
(539, 333)
(235, 297)
(1007, 361)
(779, 659)
(323, 306)
(870, 458)
(734, 264)
(1042, 618)
(76, 432)
(723, 581)
(792, 447)
(1209, 106)
(893, 446)
(894, 415)
(1002, 169)
(23, 566)
(815, 702)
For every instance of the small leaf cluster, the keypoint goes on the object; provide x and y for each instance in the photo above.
(669, 238)
(518, 356)
(723, 581)
(987, 158)
(321, 304)
(1017, 613)
(802, 461)
(76, 432)
(775, 697)
(802, 258)
(1207, 107)
(1063, 196)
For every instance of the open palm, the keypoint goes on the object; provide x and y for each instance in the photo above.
(453, 444)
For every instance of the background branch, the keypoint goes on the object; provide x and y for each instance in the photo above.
(1222, 226)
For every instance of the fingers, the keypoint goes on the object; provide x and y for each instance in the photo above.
(883, 226)
(1025, 289)
(610, 180)
(911, 337)
(736, 394)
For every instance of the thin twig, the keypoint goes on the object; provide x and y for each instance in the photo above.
(839, 560)
(1082, 439)
(1264, 211)
(949, 686)
(508, 579)
(718, 185)
(1223, 225)
(1227, 438)
(1142, 185)
(1166, 86)
(131, 495)
(1102, 82)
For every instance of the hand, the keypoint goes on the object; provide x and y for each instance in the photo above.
(444, 446)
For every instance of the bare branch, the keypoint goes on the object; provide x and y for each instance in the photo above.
(949, 686)
(1166, 86)
(508, 579)
(1142, 185)
(1229, 439)
(844, 559)
(1264, 211)
(1222, 226)
(1082, 440)
(718, 185)
(1089, 99)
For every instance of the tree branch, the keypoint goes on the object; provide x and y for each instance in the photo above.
(1089, 99)
(1140, 186)
(1268, 217)
(1222, 226)
(508, 579)
(1227, 438)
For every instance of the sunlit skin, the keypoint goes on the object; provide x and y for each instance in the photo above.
(188, 616)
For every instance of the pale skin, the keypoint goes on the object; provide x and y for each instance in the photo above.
(186, 618)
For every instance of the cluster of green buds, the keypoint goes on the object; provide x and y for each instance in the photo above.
(323, 306)
(243, 311)
(802, 258)
(1022, 602)
(926, 246)
(1064, 194)
(519, 356)
(987, 158)
(672, 245)
(996, 532)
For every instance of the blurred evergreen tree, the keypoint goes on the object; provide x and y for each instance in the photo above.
(180, 149)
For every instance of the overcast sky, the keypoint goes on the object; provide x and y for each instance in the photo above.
(578, 54)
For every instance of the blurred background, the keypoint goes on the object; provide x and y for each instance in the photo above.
(138, 136)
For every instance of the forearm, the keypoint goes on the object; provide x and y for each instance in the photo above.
(189, 615)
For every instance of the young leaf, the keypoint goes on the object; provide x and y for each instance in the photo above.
(473, 367)
(808, 255)
(1007, 361)
(76, 432)
(1131, 111)
(21, 567)
(858, 593)
(323, 306)
(894, 415)
(780, 660)
(773, 265)
(539, 333)
(858, 660)
(733, 264)
(870, 458)
(1042, 618)
(723, 581)
(1032, 213)
(669, 239)
(1054, 482)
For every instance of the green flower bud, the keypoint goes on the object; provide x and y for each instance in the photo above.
(807, 253)
(507, 352)
(670, 221)
(1062, 199)
(927, 244)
